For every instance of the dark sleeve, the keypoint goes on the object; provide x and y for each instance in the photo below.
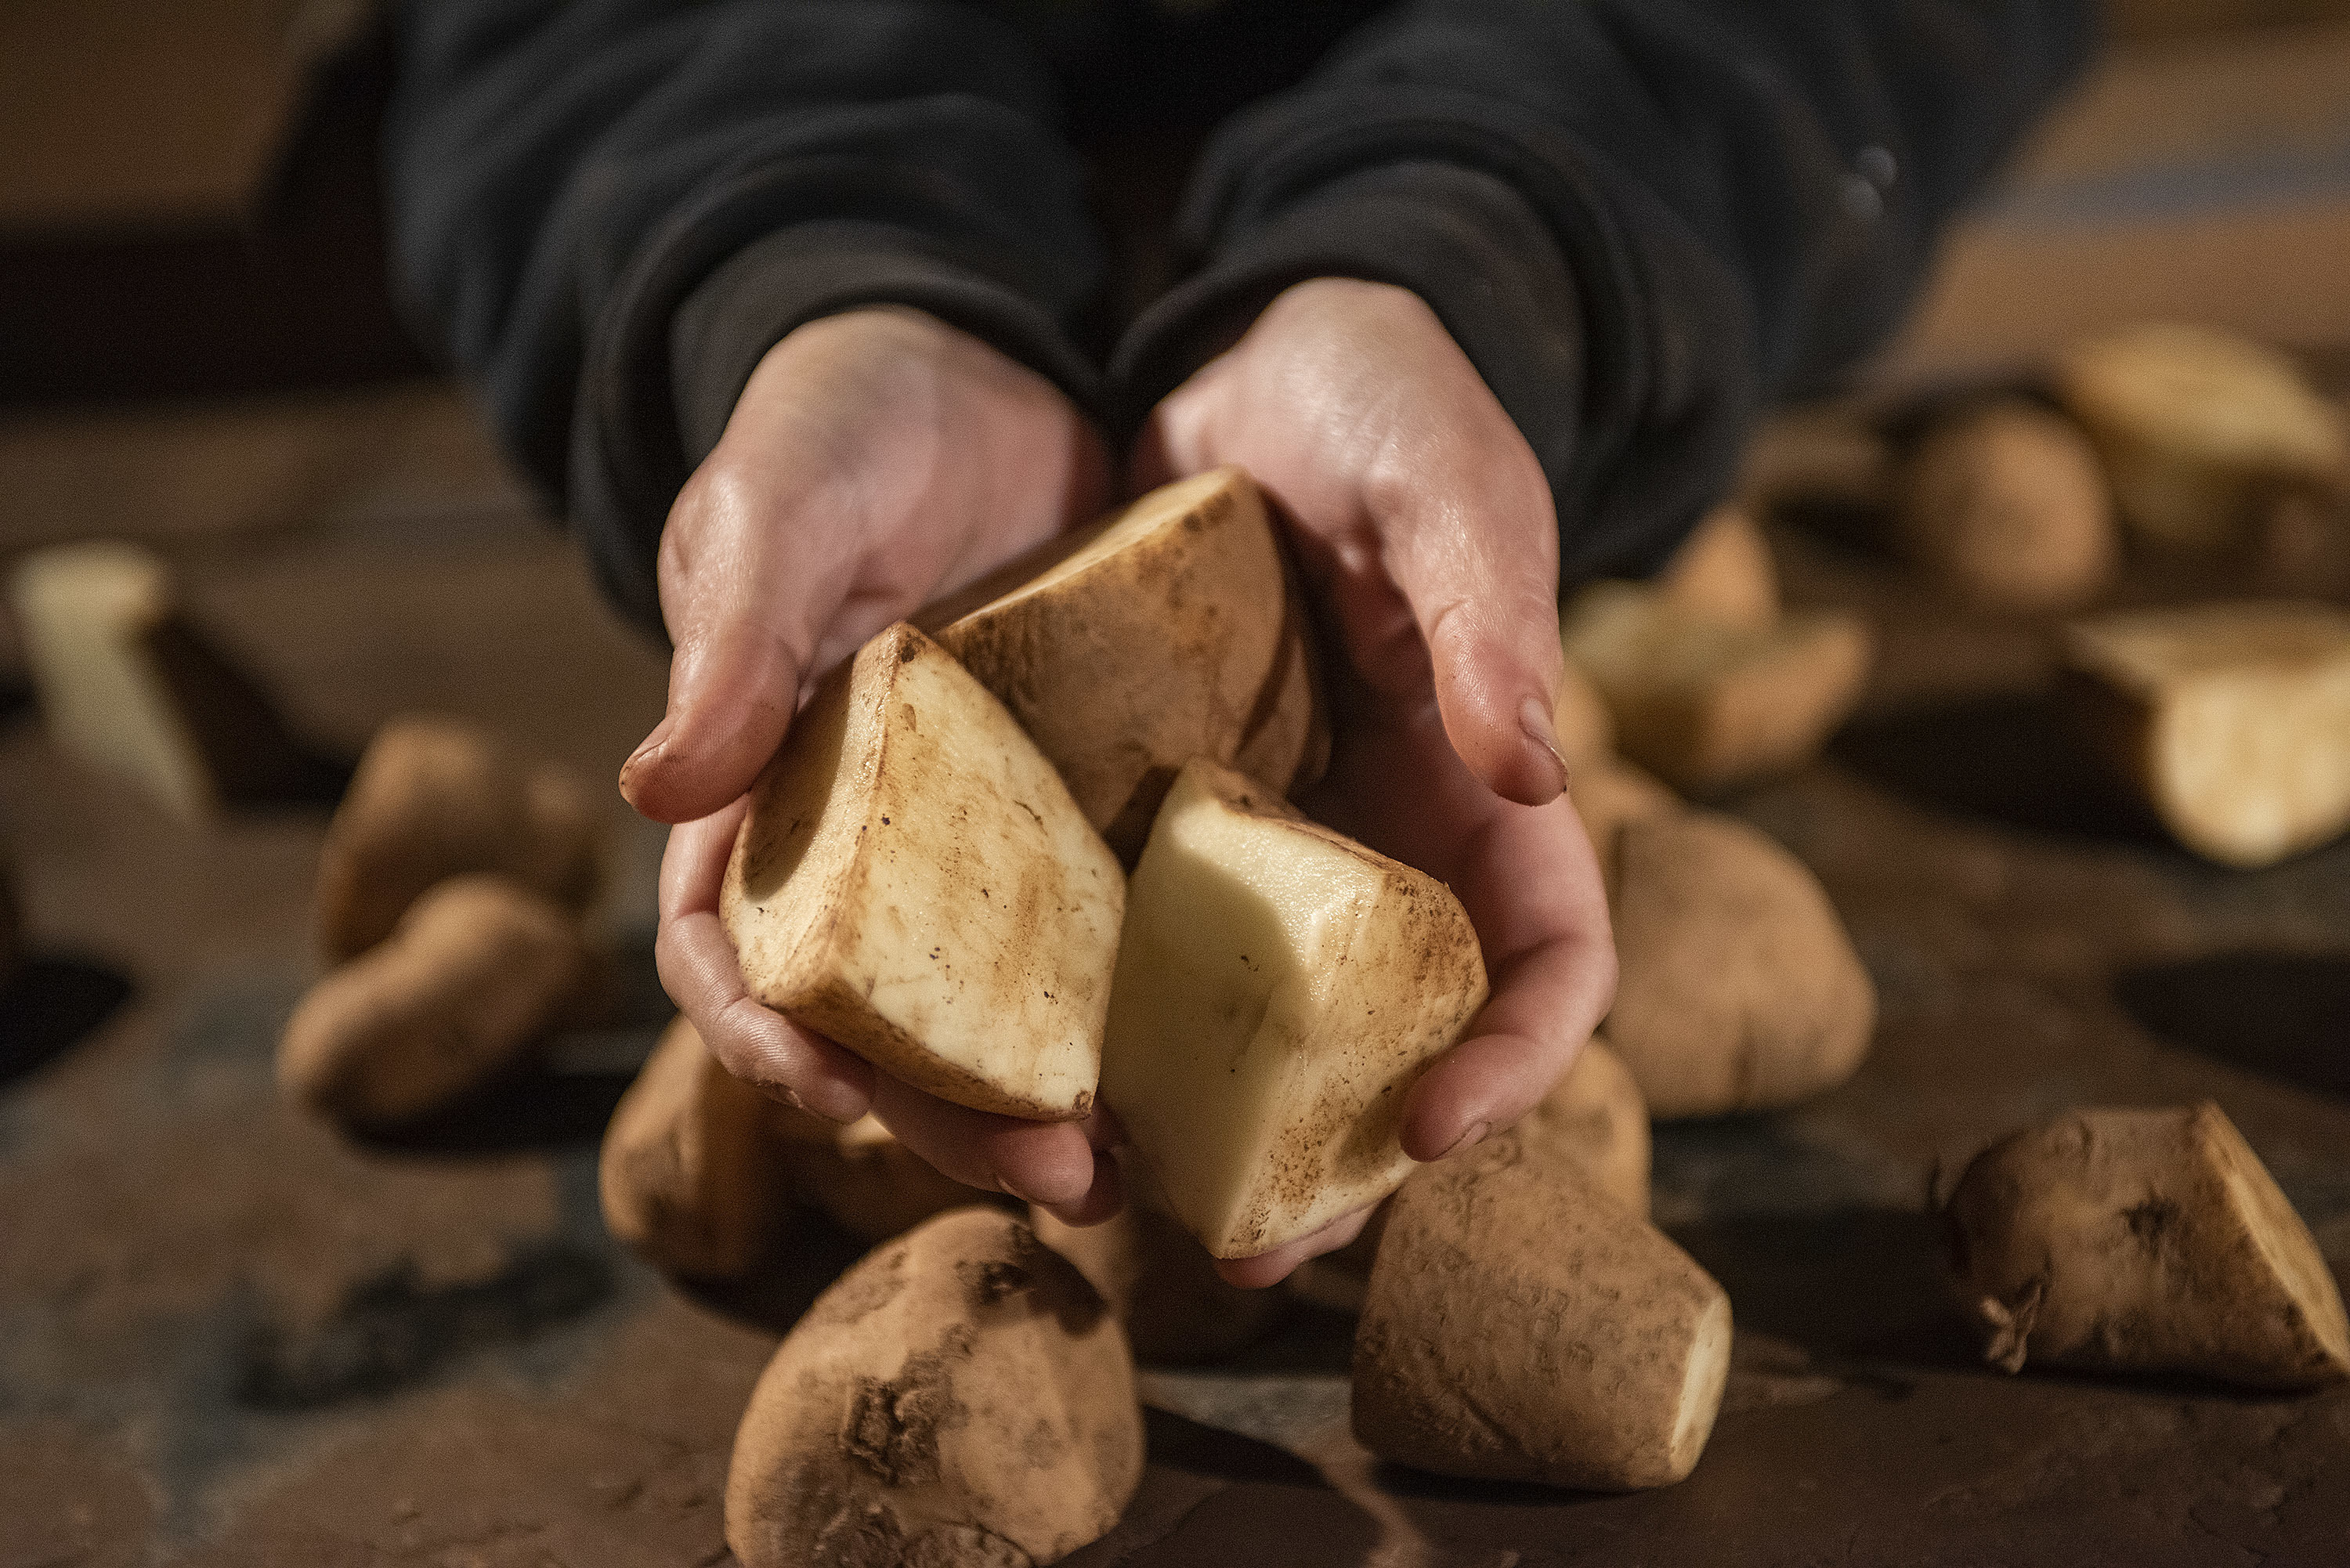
(1641, 219)
(607, 210)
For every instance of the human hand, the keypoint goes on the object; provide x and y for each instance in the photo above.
(1424, 526)
(876, 459)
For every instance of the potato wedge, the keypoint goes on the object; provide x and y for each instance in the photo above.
(1279, 987)
(2233, 720)
(913, 881)
(1170, 631)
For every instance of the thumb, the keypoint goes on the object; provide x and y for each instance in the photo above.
(745, 630)
(1471, 542)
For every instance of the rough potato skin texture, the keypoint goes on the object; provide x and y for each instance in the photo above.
(477, 971)
(2006, 504)
(1521, 1325)
(1197, 611)
(2148, 1240)
(691, 1174)
(1596, 1117)
(1609, 796)
(1738, 989)
(961, 1396)
(435, 798)
(1161, 1283)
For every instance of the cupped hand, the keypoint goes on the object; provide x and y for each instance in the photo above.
(876, 459)
(1425, 528)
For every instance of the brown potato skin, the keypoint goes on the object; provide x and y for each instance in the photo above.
(1738, 988)
(1521, 1325)
(1204, 625)
(435, 798)
(2005, 503)
(692, 1173)
(2124, 1240)
(869, 1184)
(476, 972)
(1723, 571)
(960, 1395)
(1595, 1116)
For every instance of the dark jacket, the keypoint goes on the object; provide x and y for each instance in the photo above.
(1641, 219)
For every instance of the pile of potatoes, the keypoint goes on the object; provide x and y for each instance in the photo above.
(452, 888)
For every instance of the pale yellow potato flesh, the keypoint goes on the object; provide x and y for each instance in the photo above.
(2233, 720)
(1170, 631)
(90, 614)
(1706, 705)
(1523, 1325)
(1279, 988)
(2198, 428)
(913, 881)
(2151, 1240)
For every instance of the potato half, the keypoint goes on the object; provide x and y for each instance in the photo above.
(1707, 705)
(2143, 1240)
(1521, 1325)
(1279, 988)
(1166, 631)
(2198, 429)
(913, 881)
(962, 1395)
(2233, 720)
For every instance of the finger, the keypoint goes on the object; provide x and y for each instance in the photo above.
(698, 968)
(1044, 1162)
(1271, 1268)
(1102, 1201)
(1531, 888)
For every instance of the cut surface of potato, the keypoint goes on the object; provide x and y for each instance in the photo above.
(1279, 988)
(127, 686)
(1722, 571)
(2198, 428)
(437, 797)
(2233, 720)
(913, 881)
(476, 973)
(1521, 1325)
(960, 1395)
(2143, 1240)
(691, 1175)
(2006, 504)
(1166, 631)
(1738, 988)
(1706, 705)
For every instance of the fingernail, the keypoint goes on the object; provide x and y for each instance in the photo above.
(647, 747)
(1536, 722)
(1470, 1140)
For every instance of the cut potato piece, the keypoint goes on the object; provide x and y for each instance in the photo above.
(435, 798)
(1279, 987)
(691, 1174)
(1521, 1325)
(1177, 1309)
(1707, 705)
(962, 1395)
(913, 881)
(2233, 720)
(1167, 631)
(128, 687)
(1737, 988)
(477, 973)
(872, 1186)
(2198, 429)
(1596, 1117)
(1722, 572)
(2147, 1240)
(2006, 504)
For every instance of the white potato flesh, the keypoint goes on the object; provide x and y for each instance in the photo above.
(1279, 988)
(915, 881)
